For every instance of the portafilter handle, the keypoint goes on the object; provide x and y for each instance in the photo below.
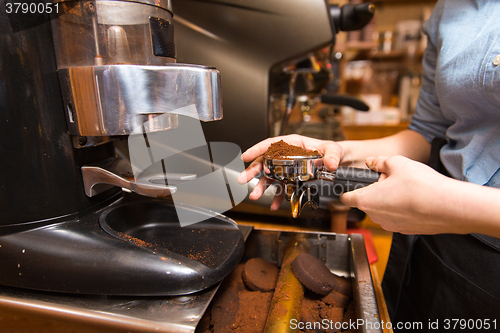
(345, 179)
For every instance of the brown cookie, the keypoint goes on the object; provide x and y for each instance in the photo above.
(260, 275)
(313, 274)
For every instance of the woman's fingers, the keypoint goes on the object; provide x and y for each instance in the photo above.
(351, 199)
(261, 186)
(331, 151)
(332, 155)
(379, 164)
(387, 164)
(397, 166)
(259, 189)
(253, 170)
(278, 198)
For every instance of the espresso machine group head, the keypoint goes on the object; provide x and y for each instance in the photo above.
(72, 86)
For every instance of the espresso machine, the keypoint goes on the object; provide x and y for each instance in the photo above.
(273, 56)
(74, 85)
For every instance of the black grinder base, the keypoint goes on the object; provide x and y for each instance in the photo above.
(136, 246)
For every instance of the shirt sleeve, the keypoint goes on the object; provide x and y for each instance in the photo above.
(428, 119)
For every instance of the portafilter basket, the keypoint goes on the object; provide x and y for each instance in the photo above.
(293, 168)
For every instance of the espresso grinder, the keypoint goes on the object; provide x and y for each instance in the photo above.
(72, 89)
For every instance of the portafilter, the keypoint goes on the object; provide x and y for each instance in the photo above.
(297, 171)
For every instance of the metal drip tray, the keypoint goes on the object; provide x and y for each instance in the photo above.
(63, 312)
(344, 255)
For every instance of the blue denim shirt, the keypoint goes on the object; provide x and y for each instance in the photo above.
(460, 95)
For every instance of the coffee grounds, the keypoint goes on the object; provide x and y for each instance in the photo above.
(336, 299)
(313, 274)
(235, 308)
(343, 285)
(350, 313)
(224, 311)
(315, 311)
(282, 150)
(260, 275)
(333, 314)
(253, 321)
(309, 312)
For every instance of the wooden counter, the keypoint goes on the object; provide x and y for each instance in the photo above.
(364, 132)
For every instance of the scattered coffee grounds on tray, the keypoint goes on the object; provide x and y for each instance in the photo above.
(333, 313)
(224, 310)
(315, 311)
(350, 315)
(136, 241)
(260, 275)
(310, 310)
(281, 150)
(336, 299)
(236, 308)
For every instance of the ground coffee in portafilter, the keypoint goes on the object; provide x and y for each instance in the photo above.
(281, 150)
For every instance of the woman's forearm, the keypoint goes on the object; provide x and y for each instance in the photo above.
(412, 198)
(474, 208)
(407, 143)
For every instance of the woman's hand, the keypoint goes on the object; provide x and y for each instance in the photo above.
(331, 151)
(410, 198)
